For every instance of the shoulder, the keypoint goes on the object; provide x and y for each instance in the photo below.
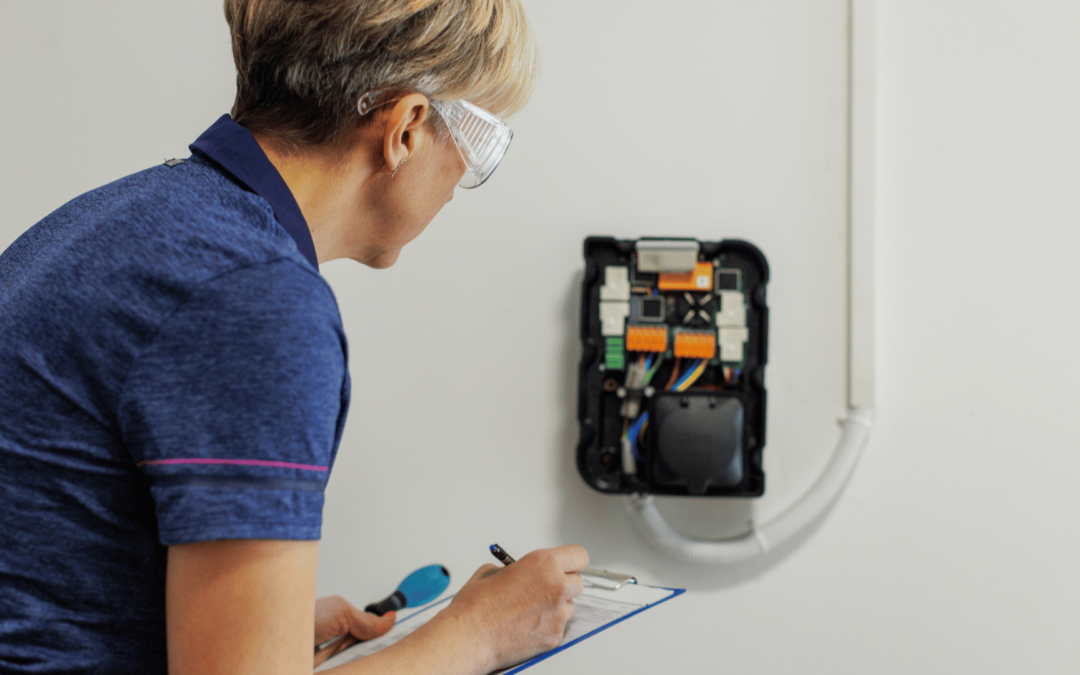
(105, 272)
(281, 295)
(260, 347)
(159, 235)
(187, 217)
(188, 213)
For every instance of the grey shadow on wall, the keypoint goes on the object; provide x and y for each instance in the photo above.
(600, 522)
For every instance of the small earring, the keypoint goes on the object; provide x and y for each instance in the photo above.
(398, 167)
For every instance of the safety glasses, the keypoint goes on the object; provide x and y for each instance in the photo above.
(480, 137)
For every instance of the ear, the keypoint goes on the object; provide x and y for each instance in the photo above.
(406, 129)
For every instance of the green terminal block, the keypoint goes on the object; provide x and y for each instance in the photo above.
(615, 354)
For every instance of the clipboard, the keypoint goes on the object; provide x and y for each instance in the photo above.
(608, 599)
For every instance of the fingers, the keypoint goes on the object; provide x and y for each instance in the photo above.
(522, 609)
(360, 626)
(334, 648)
(575, 585)
(364, 626)
(335, 616)
(485, 571)
(321, 656)
(572, 558)
(568, 609)
(330, 618)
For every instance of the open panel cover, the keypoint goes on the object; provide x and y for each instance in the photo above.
(674, 336)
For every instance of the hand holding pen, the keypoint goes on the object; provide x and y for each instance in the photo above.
(521, 609)
(505, 558)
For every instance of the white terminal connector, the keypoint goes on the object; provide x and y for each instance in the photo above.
(732, 310)
(616, 284)
(613, 318)
(667, 255)
(614, 301)
(731, 341)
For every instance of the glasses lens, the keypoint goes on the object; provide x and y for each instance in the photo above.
(481, 138)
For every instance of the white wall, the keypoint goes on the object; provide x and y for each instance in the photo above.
(950, 550)
(968, 495)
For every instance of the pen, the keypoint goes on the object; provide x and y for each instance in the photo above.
(505, 558)
(499, 553)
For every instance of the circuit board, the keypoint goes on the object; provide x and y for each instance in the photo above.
(674, 336)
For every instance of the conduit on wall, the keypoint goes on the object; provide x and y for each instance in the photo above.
(862, 16)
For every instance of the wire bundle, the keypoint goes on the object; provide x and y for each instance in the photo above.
(634, 432)
(651, 368)
(696, 369)
(693, 372)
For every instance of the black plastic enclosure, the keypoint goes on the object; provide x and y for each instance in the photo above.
(706, 441)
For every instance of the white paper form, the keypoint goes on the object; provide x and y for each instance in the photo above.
(597, 609)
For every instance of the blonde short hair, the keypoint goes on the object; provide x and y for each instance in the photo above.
(302, 65)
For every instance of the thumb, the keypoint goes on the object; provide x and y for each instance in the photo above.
(365, 626)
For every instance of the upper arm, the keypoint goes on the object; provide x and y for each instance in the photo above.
(234, 410)
(241, 606)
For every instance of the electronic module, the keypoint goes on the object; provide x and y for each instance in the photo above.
(672, 381)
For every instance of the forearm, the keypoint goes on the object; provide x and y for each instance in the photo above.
(500, 617)
(447, 645)
(244, 606)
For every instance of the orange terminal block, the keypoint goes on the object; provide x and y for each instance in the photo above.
(695, 344)
(646, 339)
(700, 279)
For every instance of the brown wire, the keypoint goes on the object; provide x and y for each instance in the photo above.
(674, 373)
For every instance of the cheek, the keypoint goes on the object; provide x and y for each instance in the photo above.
(432, 190)
(446, 177)
(453, 165)
(426, 203)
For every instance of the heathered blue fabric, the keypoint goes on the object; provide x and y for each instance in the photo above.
(165, 316)
(234, 148)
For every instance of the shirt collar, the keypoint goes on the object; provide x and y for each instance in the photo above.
(236, 150)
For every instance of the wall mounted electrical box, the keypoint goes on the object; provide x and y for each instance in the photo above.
(671, 396)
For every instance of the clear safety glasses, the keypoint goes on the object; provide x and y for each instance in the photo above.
(481, 138)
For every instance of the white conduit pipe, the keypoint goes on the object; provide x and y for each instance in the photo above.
(759, 540)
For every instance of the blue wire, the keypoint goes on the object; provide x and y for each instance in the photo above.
(635, 429)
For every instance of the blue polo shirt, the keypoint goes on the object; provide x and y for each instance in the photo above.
(172, 370)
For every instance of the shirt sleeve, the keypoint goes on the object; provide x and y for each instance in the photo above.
(235, 409)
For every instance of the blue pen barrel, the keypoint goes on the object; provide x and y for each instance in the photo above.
(419, 588)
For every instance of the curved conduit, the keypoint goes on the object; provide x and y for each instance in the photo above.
(759, 540)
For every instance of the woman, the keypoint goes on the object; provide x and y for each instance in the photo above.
(173, 379)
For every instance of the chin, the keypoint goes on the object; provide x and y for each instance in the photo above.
(381, 261)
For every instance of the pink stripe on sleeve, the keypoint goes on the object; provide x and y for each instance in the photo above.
(243, 462)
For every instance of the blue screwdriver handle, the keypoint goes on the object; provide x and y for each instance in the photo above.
(419, 588)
